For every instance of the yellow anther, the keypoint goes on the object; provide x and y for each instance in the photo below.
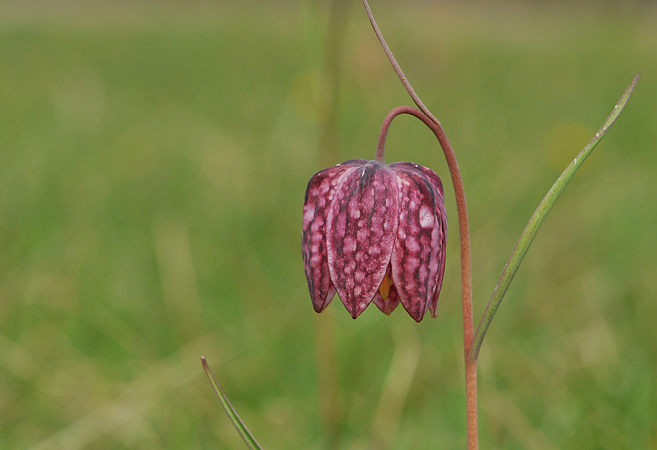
(384, 289)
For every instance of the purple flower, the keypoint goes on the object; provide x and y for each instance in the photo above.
(375, 233)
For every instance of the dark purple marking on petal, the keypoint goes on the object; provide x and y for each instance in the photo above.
(418, 257)
(433, 305)
(440, 212)
(319, 193)
(361, 229)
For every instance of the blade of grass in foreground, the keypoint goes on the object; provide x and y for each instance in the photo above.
(536, 221)
(232, 414)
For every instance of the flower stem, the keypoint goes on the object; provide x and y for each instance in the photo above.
(464, 229)
(396, 66)
(466, 273)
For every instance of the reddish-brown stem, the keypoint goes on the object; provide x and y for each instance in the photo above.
(464, 228)
(395, 65)
(466, 277)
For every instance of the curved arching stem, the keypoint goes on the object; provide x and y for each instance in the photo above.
(464, 228)
(397, 68)
(466, 272)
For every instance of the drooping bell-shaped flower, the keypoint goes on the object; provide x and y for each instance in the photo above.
(375, 233)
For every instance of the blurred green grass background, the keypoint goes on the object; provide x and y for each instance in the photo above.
(153, 162)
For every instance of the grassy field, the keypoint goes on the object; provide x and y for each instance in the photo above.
(153, 163)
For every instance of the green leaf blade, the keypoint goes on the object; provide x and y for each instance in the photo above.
(232, 414)
(537, 219)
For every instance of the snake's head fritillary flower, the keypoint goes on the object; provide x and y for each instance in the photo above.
(375, 233)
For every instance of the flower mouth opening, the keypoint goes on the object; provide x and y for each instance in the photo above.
(384, 289)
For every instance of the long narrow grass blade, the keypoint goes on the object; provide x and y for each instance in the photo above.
(232, 414)
(536, 221)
